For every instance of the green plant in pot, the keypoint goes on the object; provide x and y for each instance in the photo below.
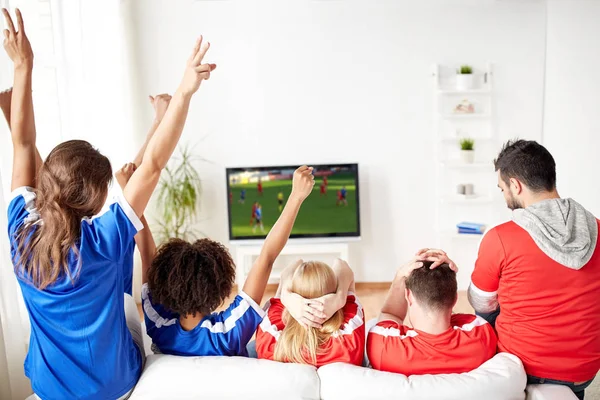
(465, 79)
(179, 190)
(467, 150)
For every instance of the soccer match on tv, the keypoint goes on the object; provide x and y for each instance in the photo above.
(257, 197)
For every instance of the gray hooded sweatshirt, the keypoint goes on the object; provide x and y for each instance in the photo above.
(562, 229)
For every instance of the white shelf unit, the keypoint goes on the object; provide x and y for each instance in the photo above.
(449, 128)
(326, 251)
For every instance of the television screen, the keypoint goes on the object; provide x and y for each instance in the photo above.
(257, 197)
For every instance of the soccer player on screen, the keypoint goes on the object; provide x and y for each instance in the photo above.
(254, 206)
(258, 218)
(344, 193)
(259, 187)
(242, 196)
(323, 188)
(280, 199)
(325, 182)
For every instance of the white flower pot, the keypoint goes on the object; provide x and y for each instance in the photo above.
(465, 81)
(467, 156)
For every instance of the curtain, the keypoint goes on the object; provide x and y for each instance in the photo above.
(83, 84)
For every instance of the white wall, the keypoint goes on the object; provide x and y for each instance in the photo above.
(340, 81)
(572, 109)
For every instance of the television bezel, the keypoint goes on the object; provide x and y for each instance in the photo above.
(339, 236)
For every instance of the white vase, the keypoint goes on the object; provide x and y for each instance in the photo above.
(468, 156)
(465, 81)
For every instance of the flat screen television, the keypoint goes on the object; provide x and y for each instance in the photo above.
(257, 195)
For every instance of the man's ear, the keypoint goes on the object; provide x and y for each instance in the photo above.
(516, 186)
(455, 300)
(409, 297)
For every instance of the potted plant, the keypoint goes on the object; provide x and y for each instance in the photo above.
(464, 78)
(467, 150)
(178, 193)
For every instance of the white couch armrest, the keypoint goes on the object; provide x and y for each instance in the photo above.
(549, 392)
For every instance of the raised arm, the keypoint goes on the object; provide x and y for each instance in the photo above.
(163, 143)
(22, 121)
(160, 103)
(143, 239)
(258, 276)
(5, 106)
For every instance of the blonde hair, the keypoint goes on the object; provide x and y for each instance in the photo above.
(302, 345)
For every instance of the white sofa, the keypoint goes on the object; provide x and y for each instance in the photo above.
(170, 377)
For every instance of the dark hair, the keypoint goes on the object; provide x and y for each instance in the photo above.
(434, 288)
(529, 162)
(191, 278)
(72, 184)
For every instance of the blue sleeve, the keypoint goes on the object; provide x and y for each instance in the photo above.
(155, 315)
(110, 234)
(21, 209)
(235, 326)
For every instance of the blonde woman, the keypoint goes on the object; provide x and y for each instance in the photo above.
(315, 317)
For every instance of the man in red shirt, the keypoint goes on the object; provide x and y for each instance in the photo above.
(437, 341)
(537, 277)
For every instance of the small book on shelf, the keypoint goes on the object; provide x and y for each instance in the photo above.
(472, 228)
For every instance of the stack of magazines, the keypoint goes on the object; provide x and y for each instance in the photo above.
(471, 228)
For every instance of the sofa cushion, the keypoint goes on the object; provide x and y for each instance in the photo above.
(501, 378)
(172, 377)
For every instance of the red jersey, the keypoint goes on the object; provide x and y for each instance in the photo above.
(323, 188)
(325, 180)
(467, 344)
(549, 314)
(260, 189)
(339, 195)
(346, 345)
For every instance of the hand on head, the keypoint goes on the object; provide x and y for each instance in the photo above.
(195, 71)
(16, 44)
(303, 182)
(437, 256)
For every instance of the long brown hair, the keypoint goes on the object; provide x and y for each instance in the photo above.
(299, 345)
(72, 184)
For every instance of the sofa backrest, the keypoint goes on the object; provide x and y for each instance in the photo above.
(501, 378)
(172, 377)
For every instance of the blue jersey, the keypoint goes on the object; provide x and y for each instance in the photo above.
(219, 334)
(258, 213)
(243, 194)
(80, 346)
(344, 191)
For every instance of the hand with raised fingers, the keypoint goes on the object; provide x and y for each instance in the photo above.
(195, 71)
(16, 43)
(160, 103)
(437, 256)
(124, 174)
(303, 182)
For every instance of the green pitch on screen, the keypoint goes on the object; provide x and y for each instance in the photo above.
(318, 215)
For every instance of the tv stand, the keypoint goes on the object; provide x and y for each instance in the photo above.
(246, 254)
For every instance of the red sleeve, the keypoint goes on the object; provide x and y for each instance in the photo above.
(378, 341)
(490, 261)
(353, 331)
(270, 330)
